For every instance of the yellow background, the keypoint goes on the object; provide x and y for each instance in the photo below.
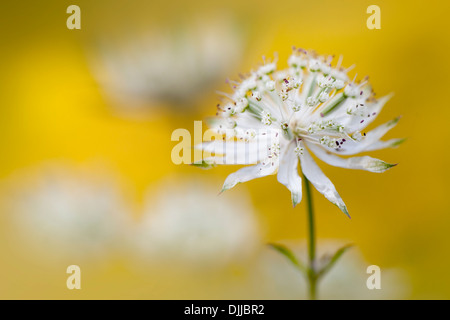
(51, 108)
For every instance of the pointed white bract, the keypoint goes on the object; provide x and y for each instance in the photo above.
(274, 117)
(288, 174)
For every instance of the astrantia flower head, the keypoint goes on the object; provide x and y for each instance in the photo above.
(275, 118)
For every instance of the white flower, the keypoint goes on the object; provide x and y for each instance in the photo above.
(316, 109)
(186, 224)
(171, 66)
(67, 213)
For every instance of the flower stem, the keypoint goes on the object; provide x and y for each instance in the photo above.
(312, 277)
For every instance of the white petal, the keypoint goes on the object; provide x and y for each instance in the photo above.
(353, 147)
(247, 121)
(334, 108)
(373, 109)
(339, 112)
(288, 174)
(247, 174)
(320, 181)
(362, 163)
(354, 122)
(392, 143)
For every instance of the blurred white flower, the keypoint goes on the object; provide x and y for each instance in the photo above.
(346, 280)
(167, 66)
(67, 212)
(186, 223)
(308, 106)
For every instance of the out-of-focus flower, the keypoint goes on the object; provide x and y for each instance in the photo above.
(64, 212)
(186, 223)
(165, 66)
(277, 116)
(346, 280)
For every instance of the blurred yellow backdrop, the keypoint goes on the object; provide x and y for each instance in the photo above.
(53, 109)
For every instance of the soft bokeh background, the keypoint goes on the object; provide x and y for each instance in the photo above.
(73, 143)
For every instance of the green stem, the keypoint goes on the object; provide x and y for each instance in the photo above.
(312, 288)
(312, 279)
